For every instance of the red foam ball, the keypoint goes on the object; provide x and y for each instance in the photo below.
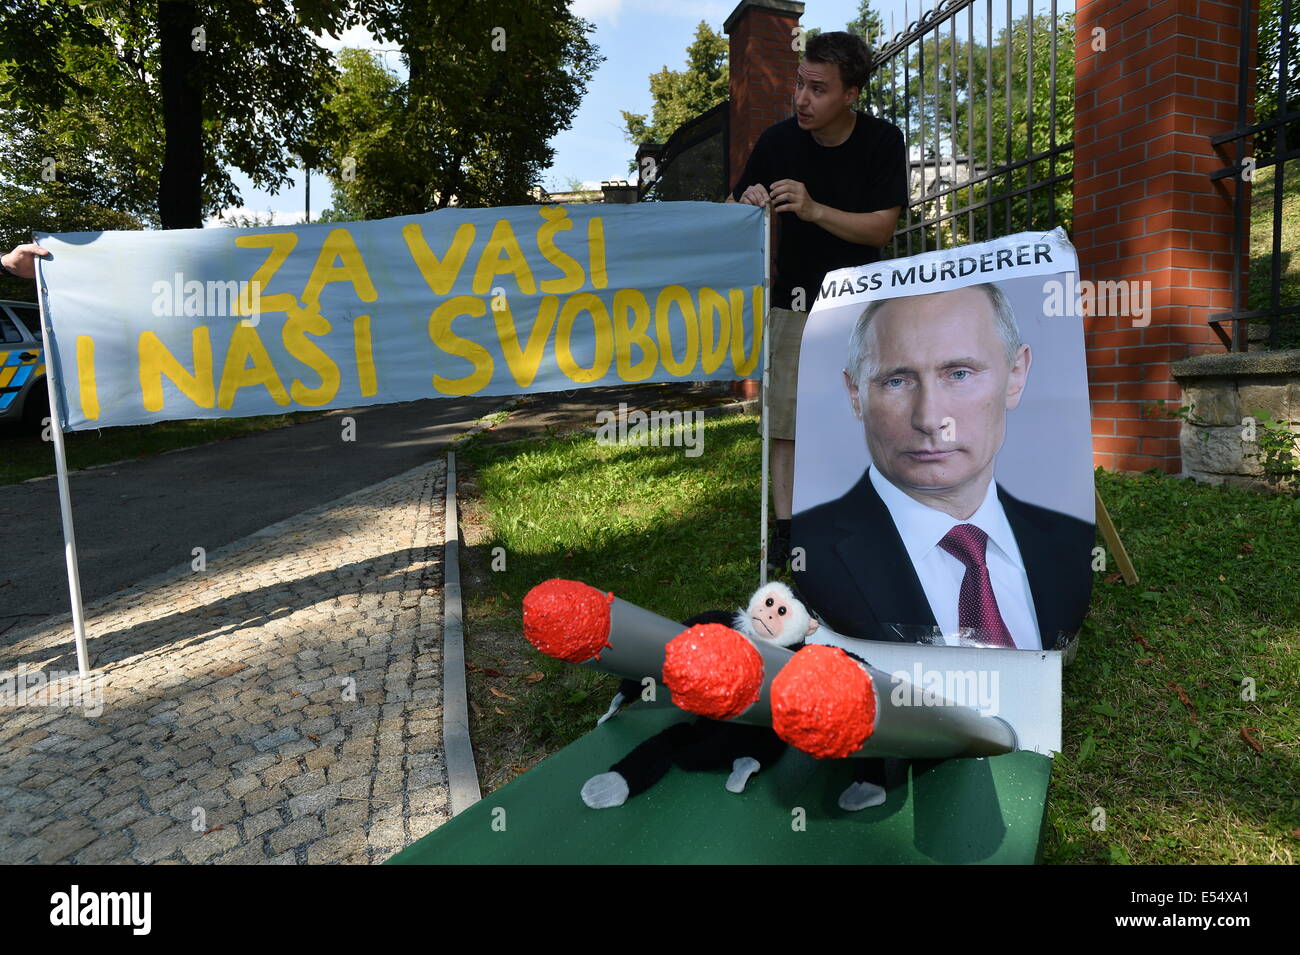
(712, 671)
(823, 703)
(567, 619)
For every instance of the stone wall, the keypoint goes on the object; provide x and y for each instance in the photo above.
(1226, 393)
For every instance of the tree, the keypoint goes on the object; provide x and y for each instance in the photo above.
(868, 25)
(362, 117)
(67, 167)
(240, 82)
(60, 208)
(219, 85)
(488, 85)
(681, 95)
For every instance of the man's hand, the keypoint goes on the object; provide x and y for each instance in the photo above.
(755, 195)
(791, 196)
(22, 260)
(863, 228)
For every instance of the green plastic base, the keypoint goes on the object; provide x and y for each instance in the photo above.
(959, 811)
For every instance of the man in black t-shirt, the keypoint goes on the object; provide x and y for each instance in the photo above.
(838, 179)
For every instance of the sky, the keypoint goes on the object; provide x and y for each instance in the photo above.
(637, 38)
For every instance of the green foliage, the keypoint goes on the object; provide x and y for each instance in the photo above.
(488, 85)
(681, 95)
(1160, 409)
(1177, 781)
(1276, 449)
(82, 84)
(620, 517)
(1267, 77)
(73, 132)
(49, 183)
(868, 25)
(262, 87)
(365, 107)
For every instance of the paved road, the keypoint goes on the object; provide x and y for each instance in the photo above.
(146, 516)
(142, 517)
(284, 705)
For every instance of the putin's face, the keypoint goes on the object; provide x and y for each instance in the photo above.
(934, 401)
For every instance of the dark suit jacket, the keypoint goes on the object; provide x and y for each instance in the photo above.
(858, 577)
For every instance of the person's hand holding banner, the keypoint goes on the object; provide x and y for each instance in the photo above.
(21, 262)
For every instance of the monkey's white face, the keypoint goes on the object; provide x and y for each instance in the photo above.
(770, 617)
(774, 614)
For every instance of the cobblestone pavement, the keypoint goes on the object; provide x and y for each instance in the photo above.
(281, 705)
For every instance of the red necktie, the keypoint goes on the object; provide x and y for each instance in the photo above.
(976, 605)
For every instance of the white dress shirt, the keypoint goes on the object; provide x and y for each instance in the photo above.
(922, 527)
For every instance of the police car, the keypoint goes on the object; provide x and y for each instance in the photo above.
(23, 394)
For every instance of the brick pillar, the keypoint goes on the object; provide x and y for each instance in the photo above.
(763, 61)
(1145, 208)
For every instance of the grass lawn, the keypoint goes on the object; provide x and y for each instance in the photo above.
(1261, 252)
(1156, 731)
(24, 455)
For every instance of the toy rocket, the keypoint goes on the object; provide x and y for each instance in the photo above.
(819, 699)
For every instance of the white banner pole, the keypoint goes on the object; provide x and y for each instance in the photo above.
(65, 496)
(767, 362)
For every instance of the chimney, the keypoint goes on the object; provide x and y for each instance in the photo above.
(764, 54)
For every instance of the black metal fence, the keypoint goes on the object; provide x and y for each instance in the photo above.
(987, 112)
(983, 91)
(1264, 189)
(692, 164)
